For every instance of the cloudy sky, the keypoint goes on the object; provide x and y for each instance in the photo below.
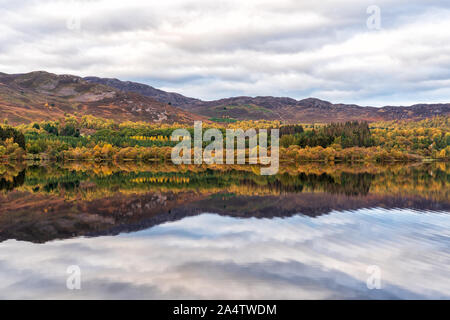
(333, 50)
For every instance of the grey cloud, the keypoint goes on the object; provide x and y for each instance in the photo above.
(258, 48)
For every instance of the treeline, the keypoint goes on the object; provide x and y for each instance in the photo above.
(428, 137)
(12, 143)
(8, 133)
(110, 152)
(346, 135)
(52, 138)
(94, 138)
(291, 129)
(353, 154)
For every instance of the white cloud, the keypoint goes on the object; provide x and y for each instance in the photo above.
(211, 50)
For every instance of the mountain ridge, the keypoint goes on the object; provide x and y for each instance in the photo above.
(40, 95)
(173, 98)
(284, 108)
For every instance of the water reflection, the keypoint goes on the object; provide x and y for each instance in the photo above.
(41, 203)
(163, 231)
(210, 256)
(13, 181)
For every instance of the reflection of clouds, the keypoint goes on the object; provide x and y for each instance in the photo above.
(210, 256)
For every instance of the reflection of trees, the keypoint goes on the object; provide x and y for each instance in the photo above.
(9, 183)
(116, 201)
(345, 183)
(92, 180)
(52, 180)
(351, 184)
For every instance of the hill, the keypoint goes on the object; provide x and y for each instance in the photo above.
(279, 108)
(174, 99)
(310, 110)
(41, 95)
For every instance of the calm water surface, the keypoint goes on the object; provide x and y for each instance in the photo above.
(160, 232)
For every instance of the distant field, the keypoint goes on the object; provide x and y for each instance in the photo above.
(235, 112)
(224, 120)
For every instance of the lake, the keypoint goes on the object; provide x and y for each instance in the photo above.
(159, 231)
